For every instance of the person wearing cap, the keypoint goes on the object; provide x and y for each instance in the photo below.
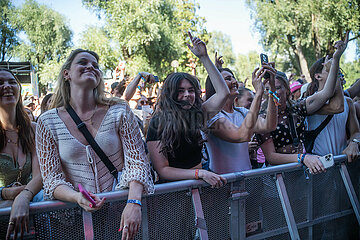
(295, 90)
(284, 145)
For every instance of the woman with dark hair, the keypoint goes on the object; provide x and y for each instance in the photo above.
(67, 159)
(232, 128)
(284, 145)
(20, 178)
(174, 139)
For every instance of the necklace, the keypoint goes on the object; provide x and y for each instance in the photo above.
(92, 115)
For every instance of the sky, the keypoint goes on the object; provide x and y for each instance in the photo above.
(231, 17)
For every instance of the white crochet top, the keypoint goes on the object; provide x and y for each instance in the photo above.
(66, 161)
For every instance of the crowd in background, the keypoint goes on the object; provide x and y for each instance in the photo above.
(155, 131)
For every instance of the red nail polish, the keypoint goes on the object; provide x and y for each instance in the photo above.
(119, 229)
(90, 205)
(104, 198)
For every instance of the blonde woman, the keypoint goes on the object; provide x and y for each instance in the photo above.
(67, 159)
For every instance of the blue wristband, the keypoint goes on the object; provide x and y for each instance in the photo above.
(302, 158)
(142, 77)
(299, 160)
(134, 201)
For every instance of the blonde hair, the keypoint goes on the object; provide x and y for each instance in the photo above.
(61, 97)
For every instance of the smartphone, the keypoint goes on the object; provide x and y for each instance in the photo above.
(86, 195)
(327, 160)
(264, 59)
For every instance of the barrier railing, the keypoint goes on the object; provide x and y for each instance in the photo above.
(273, 203)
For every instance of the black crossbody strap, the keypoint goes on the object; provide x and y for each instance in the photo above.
(83, 129)
(294, 135)
(323, 125)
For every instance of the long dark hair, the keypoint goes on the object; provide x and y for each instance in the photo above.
(317, 67)
(209, 87)
(175, 122)
(26, 133)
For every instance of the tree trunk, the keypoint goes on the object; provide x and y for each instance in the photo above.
(302, 61)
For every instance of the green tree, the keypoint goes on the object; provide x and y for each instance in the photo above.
(304, 30)
(245, 65)
(221, 43)
(151, 34)
(97, 39)
(8, 39)
(47, 36)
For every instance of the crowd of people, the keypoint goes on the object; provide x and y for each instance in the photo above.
(105, 141)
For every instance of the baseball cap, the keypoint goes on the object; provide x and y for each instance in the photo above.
(295, 86)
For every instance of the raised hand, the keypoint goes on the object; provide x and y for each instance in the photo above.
(218, 61)
(198, 48)
(341, 46)
(258, 75)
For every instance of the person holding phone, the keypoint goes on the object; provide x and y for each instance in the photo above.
(66, 157)
(20, 178)
(284, 145)
(230, 130)
(174, 139)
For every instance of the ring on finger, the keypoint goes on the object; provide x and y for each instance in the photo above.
(11, 223)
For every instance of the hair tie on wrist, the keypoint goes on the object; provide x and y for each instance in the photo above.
(135, 201)
(25, 189)
(197, 173)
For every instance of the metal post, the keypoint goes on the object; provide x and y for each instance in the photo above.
(289, 216)
(144, 220)
(200, 222)
(88, 225)
(238, 210)
(350, 190)
(310, 206)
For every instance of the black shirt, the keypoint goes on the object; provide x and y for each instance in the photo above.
(186, 156)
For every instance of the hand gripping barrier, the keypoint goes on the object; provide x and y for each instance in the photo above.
(270, 203)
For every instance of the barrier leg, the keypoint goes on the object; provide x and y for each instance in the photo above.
(289, 216)
(310, 216)
(200, 222)
(350, 190)
(144, 220)
(238, 213)
(88, 225)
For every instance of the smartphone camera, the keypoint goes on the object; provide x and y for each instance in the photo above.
(264, 59)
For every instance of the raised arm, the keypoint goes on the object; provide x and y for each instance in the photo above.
(214, 104)
(317, 100)
(270, 122)
(131, 88)
(226, 130)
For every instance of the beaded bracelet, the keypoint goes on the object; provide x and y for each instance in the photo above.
(196, 173)
(135, 201)
(141, 76)
(275, 98)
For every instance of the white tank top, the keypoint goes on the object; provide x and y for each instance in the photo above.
(332, 139)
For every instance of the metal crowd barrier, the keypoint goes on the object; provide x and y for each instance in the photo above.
(270, 203)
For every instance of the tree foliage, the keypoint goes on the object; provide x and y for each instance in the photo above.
(221, 43)
(97, 39)
(8, 39)
(47, 35)
(152, 33)
(304, 30)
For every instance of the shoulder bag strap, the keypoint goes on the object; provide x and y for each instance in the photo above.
(322, 125)
(294, 135)
(83, 129)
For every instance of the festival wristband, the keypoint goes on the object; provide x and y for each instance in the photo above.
(141, 76)
(135, 201)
